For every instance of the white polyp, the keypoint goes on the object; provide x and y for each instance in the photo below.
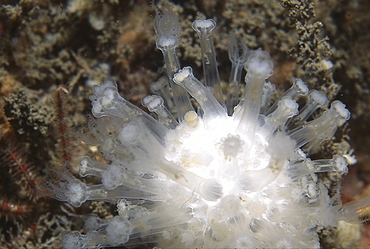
(170, 58)
(316, 131)
(319, 97)
(92, 222)
(341, 110)
(210, 106)
(259, 68)
(130, 134)
(91, 167)
(298, 88)
(286, 109)
(182, 75)
(118, 231)
(122, 109)
(108, 97)
(201, 25)
(259, 65)
(73, 240)
(113, 177)
(180, 97)
(211, 76)
(77, 193)
(160, 87)
(165, 42)
(70, 189)
(337, 164)
(131, 210)
(316, 99)
(106, 94)
(168, 29)
(238, 54)
(154, 103)
(340, 164)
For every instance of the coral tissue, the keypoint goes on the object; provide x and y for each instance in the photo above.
(234, 171)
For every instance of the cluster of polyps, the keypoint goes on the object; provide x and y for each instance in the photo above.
(229, 175)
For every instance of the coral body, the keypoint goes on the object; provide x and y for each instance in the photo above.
(225, 176)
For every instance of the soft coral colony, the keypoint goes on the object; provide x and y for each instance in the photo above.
(230, 174)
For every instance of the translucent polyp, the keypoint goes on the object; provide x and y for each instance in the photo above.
(74, 191)
(210, 106)
(167, 28)
(107, 102)
(154, 103)
(112, 233)
(161, 87)
(316, 99)
(286, 109)
(312, 134)
(336, 164)
(91, 167)
(211, 76)
(298, 88)
(259, 68)
(238, 54)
